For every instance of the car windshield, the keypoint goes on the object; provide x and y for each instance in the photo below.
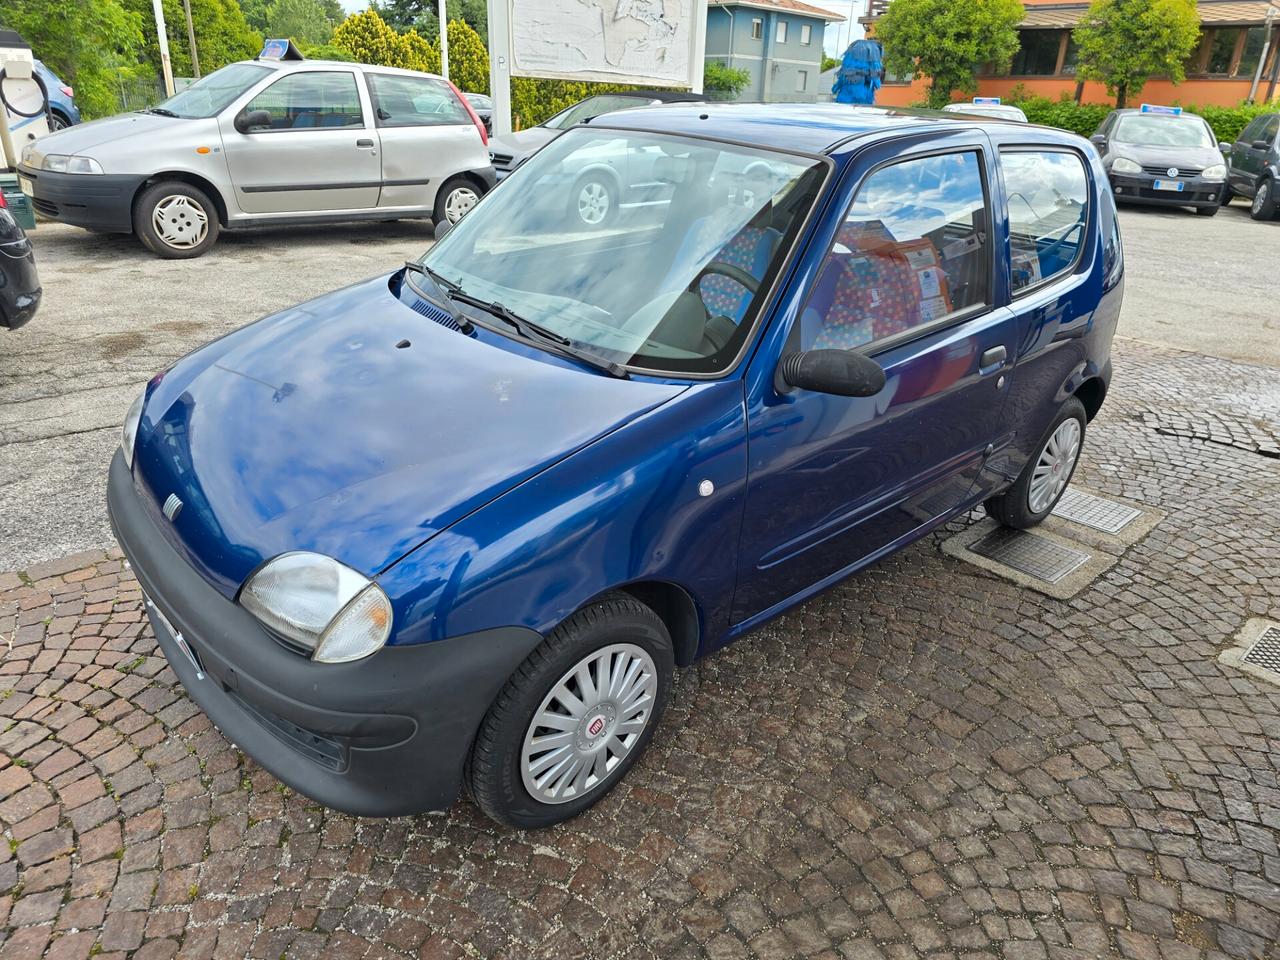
(650, 251)
(211, 94)
(1151, 130)
(591, 108)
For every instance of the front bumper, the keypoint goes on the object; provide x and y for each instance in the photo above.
(383, 736)
(97, 201)
(1139, 188)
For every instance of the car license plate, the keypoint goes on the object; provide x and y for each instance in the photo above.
(24, 185)
(177, 637)
(1177, 186)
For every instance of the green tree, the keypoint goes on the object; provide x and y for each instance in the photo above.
(303, 21)
(421, 14)
(418, 53)
(1123, 43)
(468, 59)
(368, 38)
(222, 34)
(830, 63)
(96, 50)
(722, 82)
(948, 41)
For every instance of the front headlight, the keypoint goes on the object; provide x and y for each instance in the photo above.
(129, 433)
(316, 602)
(60, 163)
(1125, 165)
(27, 153)
(1217, 171)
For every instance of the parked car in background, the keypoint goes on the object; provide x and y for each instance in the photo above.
(266, 142)
(1161, 156)
(508, 152)
(997, 111)
(63, 111)
(19, 283)
(482, 104)
(1253, 166)
(462, 521)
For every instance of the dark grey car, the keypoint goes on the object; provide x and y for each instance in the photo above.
(1253, 166)
(1163, 159)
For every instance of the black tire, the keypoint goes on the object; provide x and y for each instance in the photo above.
(1227, 195)
(1011, 508)
(57, 121)
(600, 187)
(165, 192)
(494, 769)
(1207, 211)
(460, 186)
(1265, 200)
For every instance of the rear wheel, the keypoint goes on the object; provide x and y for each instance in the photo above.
(455, 200)
(575, 716)
(1264, 201)
(57, 121)
(175, 220)
(594, 201)
(1045, 477)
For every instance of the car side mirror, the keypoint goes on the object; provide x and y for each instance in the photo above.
(845, 373)
(1224, 147)
(1098, 140)
(1260, 145)
(247, 120)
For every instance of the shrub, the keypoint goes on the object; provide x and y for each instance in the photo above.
(468, 58)
(722, 82)
(368, 39)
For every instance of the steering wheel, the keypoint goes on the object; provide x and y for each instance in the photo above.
(720, 268)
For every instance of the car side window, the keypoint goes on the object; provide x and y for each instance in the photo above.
(1252, 131)
(1048, 199)
(414, 102)
(311, 100)
(1271, 129)
(912, 250)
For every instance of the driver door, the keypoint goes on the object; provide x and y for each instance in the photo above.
(909, 278)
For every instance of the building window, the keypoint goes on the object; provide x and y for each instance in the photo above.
(757, 28)
(1228, 52)
(802, 79)
(1038, 55)
(806, 34)
(1071, 58)
(1222, 47)
(780, 35)
(1255, 39)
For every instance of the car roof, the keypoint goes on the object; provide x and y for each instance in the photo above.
(285, 66)
(806, 127)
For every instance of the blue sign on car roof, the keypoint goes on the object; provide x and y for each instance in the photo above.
(991, 100)
(1165, 111)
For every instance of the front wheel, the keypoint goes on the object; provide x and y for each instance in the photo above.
(1264, 201)
(1207, 211)
(175, 220)
(1045, 477)
(575, 716)
(593, 202)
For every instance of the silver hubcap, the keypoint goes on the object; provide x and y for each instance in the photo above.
(1260, 198)
(180, 222)
(459, 201)
(593, 203)
(1054, 466)
(592, 718)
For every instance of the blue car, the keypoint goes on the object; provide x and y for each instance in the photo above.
(460, 523)
(63, 111)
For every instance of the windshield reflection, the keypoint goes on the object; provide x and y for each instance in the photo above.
(654, 251)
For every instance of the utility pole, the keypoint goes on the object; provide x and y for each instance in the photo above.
(191, 39)
(444, 40)
(165, 66)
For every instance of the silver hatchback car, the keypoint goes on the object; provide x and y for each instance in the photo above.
(266, 142)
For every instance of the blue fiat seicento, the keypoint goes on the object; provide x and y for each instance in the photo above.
(458, 525)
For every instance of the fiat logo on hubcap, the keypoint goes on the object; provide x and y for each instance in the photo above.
(595, 726)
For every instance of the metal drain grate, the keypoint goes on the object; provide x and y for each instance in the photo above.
(1265, 651)
(1028, 553)
(1105, 515)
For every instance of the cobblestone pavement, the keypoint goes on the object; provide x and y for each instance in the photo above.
(927, 760)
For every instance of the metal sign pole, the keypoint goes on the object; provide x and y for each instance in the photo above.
(444, 39)
(191, 38)
(165, 66)
(500, 64)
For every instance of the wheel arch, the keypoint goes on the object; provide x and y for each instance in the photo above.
(678, 612)
(193, 179)
(1091, 393)
(602, 170)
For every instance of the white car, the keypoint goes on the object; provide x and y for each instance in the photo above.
(267, 142)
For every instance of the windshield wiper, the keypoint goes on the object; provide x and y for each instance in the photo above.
(445, 288)
(160, 111)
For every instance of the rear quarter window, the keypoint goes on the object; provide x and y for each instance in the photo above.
(1047, 193)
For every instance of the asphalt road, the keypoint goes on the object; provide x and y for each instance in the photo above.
(113, 315)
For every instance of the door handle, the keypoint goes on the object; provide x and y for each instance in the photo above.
(364, 142)
(992, 359)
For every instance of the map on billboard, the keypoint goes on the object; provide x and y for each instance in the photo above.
(653, 42)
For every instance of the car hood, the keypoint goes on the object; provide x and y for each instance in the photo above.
(1199, 157)
(85, 137)
(313, 430)
(524, 142)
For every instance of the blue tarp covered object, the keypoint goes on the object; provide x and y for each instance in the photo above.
(860, 73)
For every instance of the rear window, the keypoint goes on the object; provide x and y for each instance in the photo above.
(415, 102)
(1048, 201)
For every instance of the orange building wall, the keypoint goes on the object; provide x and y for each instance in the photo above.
(1220, 93)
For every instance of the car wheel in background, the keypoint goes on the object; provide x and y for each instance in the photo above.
(593, 201)
(57, 121)
(455, 200)
(1045, 477)
(1207, 211)
(1227, 195)
(175, 220)
(575, 716)
(1264, 201)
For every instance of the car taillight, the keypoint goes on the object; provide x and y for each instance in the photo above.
(475, 117)
(3, 202)
(70, 92)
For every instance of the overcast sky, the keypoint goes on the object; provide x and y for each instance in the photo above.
(835, 39)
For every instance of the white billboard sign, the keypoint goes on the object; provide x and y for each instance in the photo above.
(656, 43)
